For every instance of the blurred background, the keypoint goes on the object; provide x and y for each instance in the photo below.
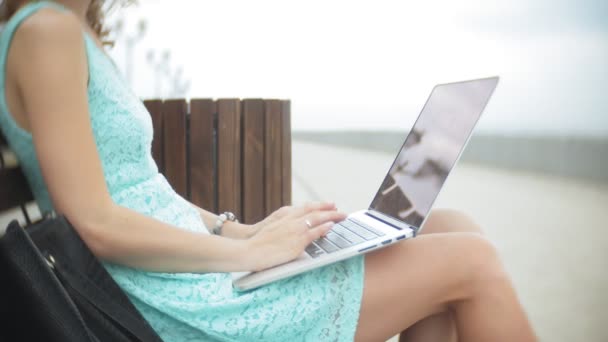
(358, 72)
(535, 174)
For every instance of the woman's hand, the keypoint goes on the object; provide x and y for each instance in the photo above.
(284, 235)
(284, 211)
(236, 230)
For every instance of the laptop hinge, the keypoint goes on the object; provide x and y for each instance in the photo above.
(389, 220)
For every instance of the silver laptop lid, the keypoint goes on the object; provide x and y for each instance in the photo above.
(431, 150)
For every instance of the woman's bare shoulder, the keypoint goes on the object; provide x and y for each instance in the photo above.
(48, 28)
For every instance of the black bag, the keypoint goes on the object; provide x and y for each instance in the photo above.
(54, 289)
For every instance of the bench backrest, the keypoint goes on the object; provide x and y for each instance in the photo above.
(225, 155)
(14, 189)
(222, 155)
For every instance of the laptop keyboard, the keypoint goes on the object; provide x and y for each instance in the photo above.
(349, 232)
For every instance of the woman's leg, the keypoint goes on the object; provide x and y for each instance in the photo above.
(437, 273)
(437, 328)
(440, 327)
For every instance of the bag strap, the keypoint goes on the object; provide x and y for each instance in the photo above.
(87, 290)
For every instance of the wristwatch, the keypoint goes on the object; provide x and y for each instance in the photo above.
(223, 217)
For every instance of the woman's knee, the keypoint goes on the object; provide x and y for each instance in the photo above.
(448, 221)
(464, 262)
(482, 268)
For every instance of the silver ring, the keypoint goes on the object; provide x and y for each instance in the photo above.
(308, 224)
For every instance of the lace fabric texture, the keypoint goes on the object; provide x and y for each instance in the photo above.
(321, 305)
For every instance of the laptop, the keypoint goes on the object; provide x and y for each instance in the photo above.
(407, 193)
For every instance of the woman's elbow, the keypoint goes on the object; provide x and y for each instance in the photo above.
(94, 229)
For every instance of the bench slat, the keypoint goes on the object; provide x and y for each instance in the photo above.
(272, 156)
(202, 154)
(2, 141)
(14, 189)
(286, 152)
(229, 156)
(155, 107)
(174, 124)
(253, 161)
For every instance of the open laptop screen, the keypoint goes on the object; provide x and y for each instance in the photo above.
(431, 149)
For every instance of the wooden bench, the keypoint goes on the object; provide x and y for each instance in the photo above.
(14, 189)
(222, 155)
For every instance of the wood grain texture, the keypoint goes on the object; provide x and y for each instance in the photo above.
(272, 156)
(286, 179)
(203, 154)
(155, 108)
(229, 156)
(174, 145)
(253, 160)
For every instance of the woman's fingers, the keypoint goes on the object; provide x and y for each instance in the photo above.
(321, 217)
(301, 223)
(319, 231)
(328, 206)
(310, 207)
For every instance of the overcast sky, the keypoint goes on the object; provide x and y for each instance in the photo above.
(371, 64)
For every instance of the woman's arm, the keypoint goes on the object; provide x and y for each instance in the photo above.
(52, 74)
(53, 83)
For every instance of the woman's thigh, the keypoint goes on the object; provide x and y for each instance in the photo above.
(414, 279)
(449, 220)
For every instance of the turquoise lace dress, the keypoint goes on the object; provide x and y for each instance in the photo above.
(321, 305)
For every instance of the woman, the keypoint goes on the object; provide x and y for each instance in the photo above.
(83, 139)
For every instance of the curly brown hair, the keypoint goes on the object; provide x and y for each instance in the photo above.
(95, 13)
